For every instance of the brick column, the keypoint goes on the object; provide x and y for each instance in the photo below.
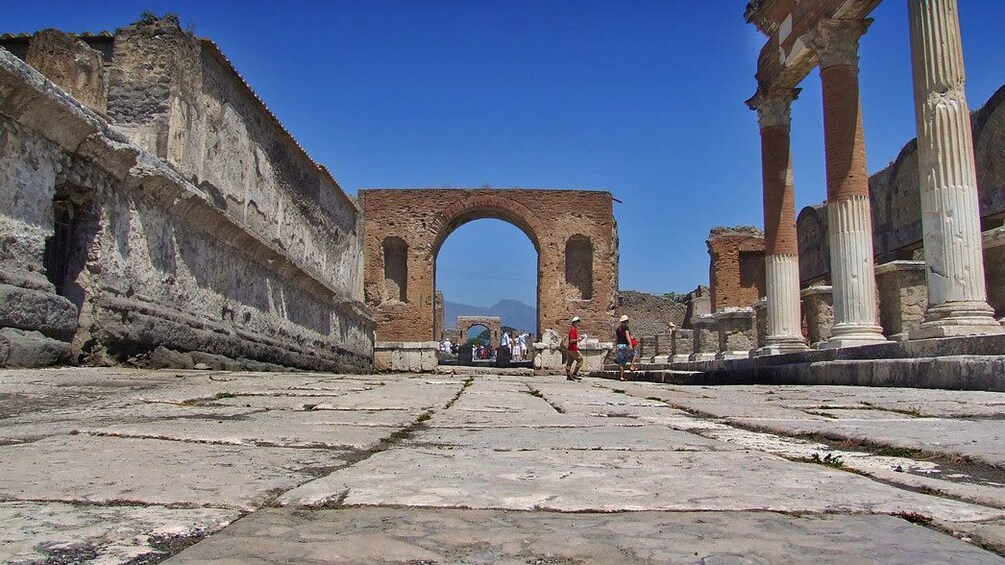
(781, 248)
(849, 218)
(950, 216)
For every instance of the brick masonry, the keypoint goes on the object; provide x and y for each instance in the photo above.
(559, 223)
(736, 270)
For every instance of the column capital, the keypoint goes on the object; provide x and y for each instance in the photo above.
(773, 106)
(835, 41)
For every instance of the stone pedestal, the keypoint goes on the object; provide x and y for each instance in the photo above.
(594, 353)
(683, 345)
(818, 311)
(761, 321)
(548, 351)
(994, 270)
(737, 333)
(903, 296)
(706, 338)
(950, 215)
(405, 356)
(662, 348)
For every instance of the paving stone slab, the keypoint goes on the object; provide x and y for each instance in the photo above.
(70, 420)
(979, 440)
(394, 535)
(282, 428)
(404, 394)
(577, 481)
(66, 533)
(641, 438)
(109, 470)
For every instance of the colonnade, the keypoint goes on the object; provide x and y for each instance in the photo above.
(947, 178)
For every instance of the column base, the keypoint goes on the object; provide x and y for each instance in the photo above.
(954, 319)
(780, 346)
(727, 355)
(853, 336)
(702, 357)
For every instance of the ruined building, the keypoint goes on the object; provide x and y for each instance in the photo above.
(154, 209)
(916, 251)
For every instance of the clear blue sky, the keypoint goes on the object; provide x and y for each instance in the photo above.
(644, 99)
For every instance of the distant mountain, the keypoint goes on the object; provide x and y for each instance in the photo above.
(514, 314)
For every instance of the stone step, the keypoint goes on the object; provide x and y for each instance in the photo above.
(954, 372)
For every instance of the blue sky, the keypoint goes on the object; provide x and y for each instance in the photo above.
(644, 99)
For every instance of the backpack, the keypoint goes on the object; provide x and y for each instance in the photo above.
(565, 342)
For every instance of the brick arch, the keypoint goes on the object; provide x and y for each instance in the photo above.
(482, 206)
(491, 323)
(423, 218)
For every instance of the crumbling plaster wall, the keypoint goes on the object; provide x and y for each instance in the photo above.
(181, 99)
(156, 259)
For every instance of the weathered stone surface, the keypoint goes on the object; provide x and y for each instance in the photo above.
(30, 309)
(71, 64)
(20, 348)
(164, 358)
(167, 245)
(156, 472)
(38, 531)
(386, 535)
(484, 445)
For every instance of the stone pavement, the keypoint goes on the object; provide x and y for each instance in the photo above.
(120, 466)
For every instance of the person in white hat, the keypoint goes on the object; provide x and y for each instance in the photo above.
(623, 343)
(572, 353)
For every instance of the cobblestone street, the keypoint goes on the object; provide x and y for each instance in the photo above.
(116, 465)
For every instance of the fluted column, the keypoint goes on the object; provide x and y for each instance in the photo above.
(781, 248)
(950, 215)
(856, 319)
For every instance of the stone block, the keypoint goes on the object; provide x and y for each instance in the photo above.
(163, 358)
(818, 313)
(30, 309)
(761, 312)
(683, 342)
(403, 356)
(994, 269)
(19, 348)
(705, 331)
(594, 353)
(903, 296)
(737, 333)
(547, 357)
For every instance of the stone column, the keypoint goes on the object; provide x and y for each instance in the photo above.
(950, 216)
(781, 248)
(849, 217)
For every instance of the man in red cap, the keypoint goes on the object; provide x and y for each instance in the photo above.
(573, 354)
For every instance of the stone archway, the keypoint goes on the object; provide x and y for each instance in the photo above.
(491, 323)
(418, 221)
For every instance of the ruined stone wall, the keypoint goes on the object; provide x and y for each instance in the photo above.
(896, 201)
(736, 270)
(418, 220)
(651, 314)
(144, 256)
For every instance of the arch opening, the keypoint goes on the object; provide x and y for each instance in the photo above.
(487, 269)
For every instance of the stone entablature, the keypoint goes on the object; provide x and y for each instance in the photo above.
(139, 256)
